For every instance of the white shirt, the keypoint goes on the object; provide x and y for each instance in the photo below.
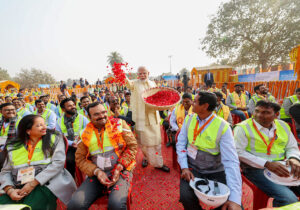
(241, 142)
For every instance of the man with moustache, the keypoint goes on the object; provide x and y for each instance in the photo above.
(147, 121)
(8, 124)
(106, 154)
(70, 124)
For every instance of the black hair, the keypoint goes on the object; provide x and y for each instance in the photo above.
(187, 95)
(92, 105)
(128, 94)
(7, 97)
(297, 90)
(38, 101)
(207, 97)
(256, 88)
(16, 99)
(240, 85)
(218, 94)
(267, 104)
(6, 104)
(22, 137)
(44, 96)
(83, 97)
(62, 103)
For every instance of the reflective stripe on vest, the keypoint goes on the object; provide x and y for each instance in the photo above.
(293, 100)
(208, 140)
(256, 98)
(19, 157)
(257, 147)
(45, 115)
(94, 148)
(77, 125)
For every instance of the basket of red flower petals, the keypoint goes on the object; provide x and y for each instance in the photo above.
(161, 98)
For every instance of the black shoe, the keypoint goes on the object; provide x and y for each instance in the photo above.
(168, 144)
(164, 168)
(144, 163)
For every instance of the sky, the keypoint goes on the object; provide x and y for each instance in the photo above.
(72, 38)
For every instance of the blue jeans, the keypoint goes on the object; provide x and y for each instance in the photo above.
(240, 113)
(282, 195)
(91, 189)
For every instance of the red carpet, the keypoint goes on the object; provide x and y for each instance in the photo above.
(155, 189)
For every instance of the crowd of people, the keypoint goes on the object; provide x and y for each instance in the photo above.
(47, 141)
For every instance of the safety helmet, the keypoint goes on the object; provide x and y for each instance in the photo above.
(287, 181)
(212, 193)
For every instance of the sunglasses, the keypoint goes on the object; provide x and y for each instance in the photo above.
(202, 182)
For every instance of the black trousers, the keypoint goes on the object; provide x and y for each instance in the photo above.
(187, 196)
(71, 160)
(91, 189)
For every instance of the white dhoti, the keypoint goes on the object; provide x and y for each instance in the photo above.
(147, 123)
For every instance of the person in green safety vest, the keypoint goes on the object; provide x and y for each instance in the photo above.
(261, 93)
(126, 103)
(108, 162)
(45, 99)
(85, 101)
(58, 110)
(70, 124)
(261, 142)
(8, 99)
(287, 103)
(8, 125)
(48, 115)
(34, 173)
(116, 111)
(21, 110)
(205, 149)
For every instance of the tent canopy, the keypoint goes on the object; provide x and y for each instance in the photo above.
(7, 84)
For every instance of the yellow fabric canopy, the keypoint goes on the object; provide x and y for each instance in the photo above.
(7, 84)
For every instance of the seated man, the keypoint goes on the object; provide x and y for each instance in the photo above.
(70, 124)
(108, 164)
(58, 110)
(180, 112)
(126, 103)
(48, 115)
(85, 101)
(262, 141)
(287, 103)
(222, 110)
(21, 111)
(206, 149)
(117, 112)
(238, 102)
(261, 93)
(47, 103)
(8, 124)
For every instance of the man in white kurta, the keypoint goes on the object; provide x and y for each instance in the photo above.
(147, 121)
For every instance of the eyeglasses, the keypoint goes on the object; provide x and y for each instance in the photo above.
(9, 110)
(202, 182)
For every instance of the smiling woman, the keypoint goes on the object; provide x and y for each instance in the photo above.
(34, 169)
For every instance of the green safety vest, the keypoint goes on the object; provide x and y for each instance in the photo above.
(77, 125)
(2, 134)
(19, 157)
(124, 111)
(46, 114)
(94, 149)
(256, 98)
(256, 145)
(21, 112)
(82, 111)
(59, 110)
(208, 140)
(165, 113)
(294, 100)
